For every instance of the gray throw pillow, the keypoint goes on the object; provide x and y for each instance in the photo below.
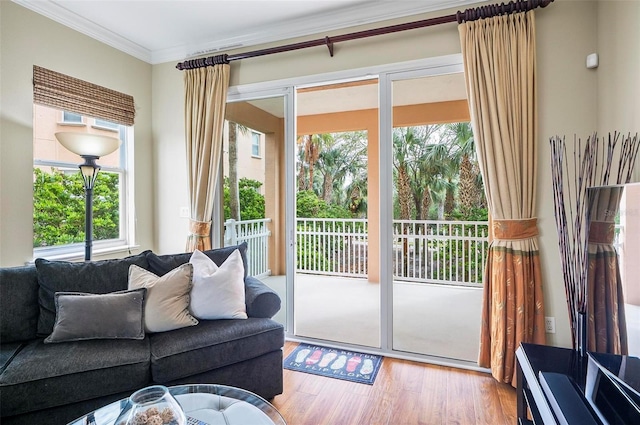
(81, 316)
(93, 277)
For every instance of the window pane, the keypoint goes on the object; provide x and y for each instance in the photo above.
(255, 144)
(58, 191)
(71, 117)
(59, 206)
(46, 147)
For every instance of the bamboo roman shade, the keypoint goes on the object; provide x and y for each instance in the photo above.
(61, 91)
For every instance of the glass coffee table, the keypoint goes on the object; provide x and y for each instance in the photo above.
(204, 404)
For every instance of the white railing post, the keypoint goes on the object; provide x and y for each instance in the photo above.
(256, 234)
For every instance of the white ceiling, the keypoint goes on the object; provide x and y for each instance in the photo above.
(158, 31)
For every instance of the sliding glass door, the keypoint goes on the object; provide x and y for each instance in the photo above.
(374, 212)
(437, 244)
(254, 188)
(337, 285)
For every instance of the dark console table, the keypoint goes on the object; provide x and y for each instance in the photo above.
(551, 385)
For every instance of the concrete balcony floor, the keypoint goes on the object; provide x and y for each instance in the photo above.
(436, 320)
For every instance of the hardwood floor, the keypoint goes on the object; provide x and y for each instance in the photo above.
(404, 393)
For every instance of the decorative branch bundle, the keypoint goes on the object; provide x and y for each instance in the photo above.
(590, 166)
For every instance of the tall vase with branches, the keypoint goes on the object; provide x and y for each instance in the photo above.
(595, 162)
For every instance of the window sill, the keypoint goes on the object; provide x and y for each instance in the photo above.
(99, 127)
(76, 255)
(72, 124)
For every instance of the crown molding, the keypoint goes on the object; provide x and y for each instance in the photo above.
(321, 23)
(69, 19)
(359, 14)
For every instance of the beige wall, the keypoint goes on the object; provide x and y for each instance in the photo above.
(572, 100)
(27, 38)
(618, 75)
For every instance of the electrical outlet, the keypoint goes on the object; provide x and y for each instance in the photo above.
(550, 325)
(184, 212)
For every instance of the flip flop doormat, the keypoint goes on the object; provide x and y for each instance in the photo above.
(334, 363)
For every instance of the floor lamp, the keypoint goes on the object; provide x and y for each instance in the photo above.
(90, 147)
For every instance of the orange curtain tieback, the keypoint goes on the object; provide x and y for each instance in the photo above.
(602, 232)
(515, 229)
(200, 229)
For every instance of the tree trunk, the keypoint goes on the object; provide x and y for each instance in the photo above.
(404, 201)
(327, 188)
(234, 196)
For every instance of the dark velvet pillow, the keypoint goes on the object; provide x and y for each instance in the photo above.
(163, 264)
(93, 277)
(80, 316)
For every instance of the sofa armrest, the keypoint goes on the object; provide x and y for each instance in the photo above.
(261, 300)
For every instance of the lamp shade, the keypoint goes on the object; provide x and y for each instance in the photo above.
(87, 144)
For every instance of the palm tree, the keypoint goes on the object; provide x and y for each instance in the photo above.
(311, 145)
(234, 192)
(470, 193)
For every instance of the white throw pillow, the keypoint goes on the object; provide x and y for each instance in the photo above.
(218, 292)
(166, 306)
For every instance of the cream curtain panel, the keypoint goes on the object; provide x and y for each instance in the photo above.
(205, 104)
(500, 61)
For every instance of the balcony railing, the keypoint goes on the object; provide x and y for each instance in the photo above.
(447, 252)
(256, 234)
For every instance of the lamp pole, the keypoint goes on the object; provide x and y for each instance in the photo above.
(90, 147)
(89, 170)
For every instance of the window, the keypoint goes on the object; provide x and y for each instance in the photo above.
(58, 195)
(71, 118)
(255, 144)
(58, 192)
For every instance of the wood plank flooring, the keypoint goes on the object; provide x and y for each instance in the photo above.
(405, 393)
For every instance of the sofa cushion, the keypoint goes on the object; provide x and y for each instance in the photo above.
(261, 300)
(81, 316)
(210, 345)
(218, 292)
(18, 303)
(95, 277)
(7, 352)
(47, 375)
(162, 264)
(166, 306)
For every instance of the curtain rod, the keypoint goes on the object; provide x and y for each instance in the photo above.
(460, 17)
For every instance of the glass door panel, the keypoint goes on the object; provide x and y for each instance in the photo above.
(438, 252)
(337, 284)
(254, 188)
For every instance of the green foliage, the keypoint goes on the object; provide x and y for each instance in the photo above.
(476, 214)
(251, 201)
(59, 207)
(308, 205)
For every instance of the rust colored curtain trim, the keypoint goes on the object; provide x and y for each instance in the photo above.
(607, 329)
(515, 229)
(61, 91)
(518, 252)
(602, 232)
(199, 228)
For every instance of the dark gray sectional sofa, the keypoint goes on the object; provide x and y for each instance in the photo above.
(56, 383)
